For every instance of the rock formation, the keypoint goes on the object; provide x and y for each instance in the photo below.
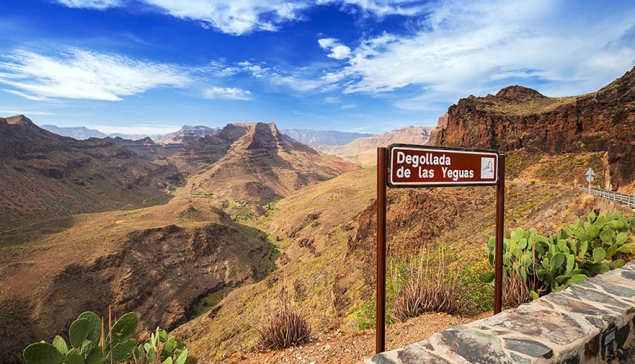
(519, 117)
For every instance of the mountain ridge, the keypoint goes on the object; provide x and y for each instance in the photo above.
(521, 118)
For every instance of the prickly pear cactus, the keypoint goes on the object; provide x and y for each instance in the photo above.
(42, 353)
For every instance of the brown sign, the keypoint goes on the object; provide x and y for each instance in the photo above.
(415, 165)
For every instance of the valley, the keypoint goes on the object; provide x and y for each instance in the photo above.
(210, 237)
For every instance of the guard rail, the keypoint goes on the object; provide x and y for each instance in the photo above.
(611, 195)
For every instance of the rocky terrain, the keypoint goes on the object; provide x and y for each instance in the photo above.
(156, 261)
(163, 262)
(186, 134)
(521, 118)
(44, 174)
(256, 220)
(146, 148)
(256, 163)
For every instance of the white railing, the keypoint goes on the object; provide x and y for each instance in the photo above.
(611, 195)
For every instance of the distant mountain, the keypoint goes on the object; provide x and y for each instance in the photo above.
(255, 163)
(364, 150)
(320, 137)
(45, 174)
(75, 132)
(185, 134)
(146, 147)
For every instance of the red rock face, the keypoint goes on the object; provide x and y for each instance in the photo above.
(518, 117)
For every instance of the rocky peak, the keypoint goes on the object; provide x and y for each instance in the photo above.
(19, 120)
(263, 136)
(519, 93)
(519, 117)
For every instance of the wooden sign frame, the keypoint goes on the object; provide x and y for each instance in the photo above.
(383, 160)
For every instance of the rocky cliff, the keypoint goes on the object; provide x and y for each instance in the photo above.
(518, 117)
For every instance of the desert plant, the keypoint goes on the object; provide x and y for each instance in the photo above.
(286, 327)
(90, 345)
(423, 288)
(581, 250)
(516, 291)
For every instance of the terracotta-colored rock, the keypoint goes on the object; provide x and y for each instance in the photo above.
(519, 117)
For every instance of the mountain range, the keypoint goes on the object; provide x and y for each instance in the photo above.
(213, 236)
(187, 133)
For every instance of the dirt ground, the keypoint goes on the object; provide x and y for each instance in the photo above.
(345, 348)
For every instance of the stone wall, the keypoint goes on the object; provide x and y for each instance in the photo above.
(591, 322)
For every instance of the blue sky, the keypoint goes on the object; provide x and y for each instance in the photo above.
(150, 66)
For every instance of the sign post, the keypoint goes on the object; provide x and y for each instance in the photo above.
(380, 325)
(422, 166)
(590, 176)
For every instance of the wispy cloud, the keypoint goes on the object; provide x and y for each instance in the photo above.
(381, 8)
(234, 17)
(90, 4)
(238, 17)
(227, 93)
(26, 96)
(81, 74)
(24, 112)
(296, 82)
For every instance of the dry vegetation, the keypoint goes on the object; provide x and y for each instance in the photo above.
(314, 247)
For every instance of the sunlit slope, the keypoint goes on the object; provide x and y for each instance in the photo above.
(327, 235)
(155, 261)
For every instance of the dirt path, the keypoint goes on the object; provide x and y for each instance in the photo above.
(347, 348)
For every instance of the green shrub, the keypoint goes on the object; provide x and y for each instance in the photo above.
(367, 315)
(581, 250)
(474, 296)
(89, 344)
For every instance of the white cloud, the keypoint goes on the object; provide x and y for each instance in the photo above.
(463, 48)
(235, 17)
(227, 93)
(327, 43)
(81, 74)
(338, 51)
(382, 7)
(91, 4)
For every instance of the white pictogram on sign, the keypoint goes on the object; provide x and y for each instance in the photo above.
(487, 167)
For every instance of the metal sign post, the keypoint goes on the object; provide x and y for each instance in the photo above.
(380, 325)
(421, 166)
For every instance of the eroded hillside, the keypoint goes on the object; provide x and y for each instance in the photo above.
(44, 175)
(155, 261)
